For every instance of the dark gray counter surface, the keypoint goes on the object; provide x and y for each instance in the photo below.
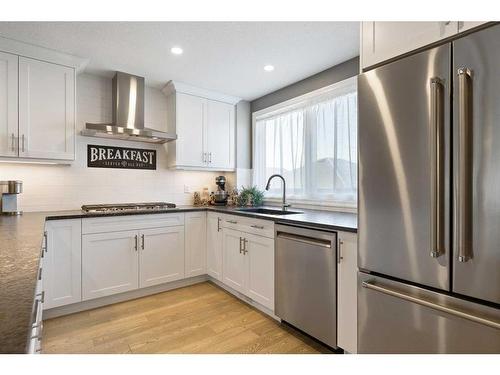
(20, 248)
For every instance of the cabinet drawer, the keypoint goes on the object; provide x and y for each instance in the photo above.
(121, 223)
(249, 225)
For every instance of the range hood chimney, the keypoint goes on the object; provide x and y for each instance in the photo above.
(128, 114)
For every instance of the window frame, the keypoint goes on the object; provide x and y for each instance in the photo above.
(325, 93)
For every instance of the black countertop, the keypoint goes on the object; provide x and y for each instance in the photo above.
(20, 248)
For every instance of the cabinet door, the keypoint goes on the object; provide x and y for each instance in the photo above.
(220, 135)
(196, 252)
(214, 246)
(46, 110)
(259, 254)
(62, 263)
(109, 263)
(190, 112)
(233, 260)
(347, 261)
(8, 104)
(382, 41)
(162, 255)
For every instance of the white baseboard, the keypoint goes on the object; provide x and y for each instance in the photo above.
(109, 300)
(244, 298)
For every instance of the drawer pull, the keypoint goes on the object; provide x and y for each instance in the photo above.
(231, 221)
(257, 226)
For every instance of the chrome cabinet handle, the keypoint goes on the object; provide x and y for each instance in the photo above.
(210, 157)
(136, 242)
(142, 241)
(40, 273)
(241, 248)
(218, 224)
(257, 226)
(45, 237)
(22, 138)
(463, 187)
(432, 305)
(245, 251)
(339, 251)
(204, 157)
(231, 221)
(42, 296)
(13, 146)
(437, 167)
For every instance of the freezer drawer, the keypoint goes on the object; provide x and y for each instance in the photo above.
(398, 318)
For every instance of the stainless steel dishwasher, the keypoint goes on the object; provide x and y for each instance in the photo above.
(306, 281)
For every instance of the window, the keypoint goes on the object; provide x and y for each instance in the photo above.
(312, 142)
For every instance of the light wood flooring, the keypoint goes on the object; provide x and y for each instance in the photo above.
(201, 318)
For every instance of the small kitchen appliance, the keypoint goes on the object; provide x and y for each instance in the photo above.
(10, 191)
(221, 195)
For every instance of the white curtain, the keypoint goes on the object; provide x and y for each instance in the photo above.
(314, 147)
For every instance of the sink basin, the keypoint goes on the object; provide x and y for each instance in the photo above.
(268, 211)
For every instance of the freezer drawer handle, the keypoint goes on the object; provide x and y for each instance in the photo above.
(419, 301)
(463, 215)
(306, 240)
(437, 167)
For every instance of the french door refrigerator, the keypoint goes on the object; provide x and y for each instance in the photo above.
(429, 200)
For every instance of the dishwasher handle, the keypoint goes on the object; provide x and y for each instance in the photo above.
(305, 239)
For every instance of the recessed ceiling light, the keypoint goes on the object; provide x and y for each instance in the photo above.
(268, 68)
(176, 50)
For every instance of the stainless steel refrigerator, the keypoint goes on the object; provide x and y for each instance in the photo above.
(429, 200)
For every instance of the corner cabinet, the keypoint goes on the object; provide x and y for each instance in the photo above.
(383, 41)
(37, 111)
(205, 124)
(214, 245)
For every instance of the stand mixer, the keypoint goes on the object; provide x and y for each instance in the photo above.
(221, 195)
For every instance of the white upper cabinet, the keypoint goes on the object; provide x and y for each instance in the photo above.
(8, 104)
(220, 135)
(62, 263)
(205, 124)
(161, 257)
(214, 245)
(196, 254)
(46, 110)
(347, 264)
(382, 41)
(190, 122)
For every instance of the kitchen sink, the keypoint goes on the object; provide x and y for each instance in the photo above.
(268, 211)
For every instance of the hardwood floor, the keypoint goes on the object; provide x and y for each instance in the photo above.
(197, 319)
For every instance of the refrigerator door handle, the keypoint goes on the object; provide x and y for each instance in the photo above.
(437, 167)
(463, 211)
(432, 305)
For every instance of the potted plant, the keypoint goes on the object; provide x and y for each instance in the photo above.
(250, 196)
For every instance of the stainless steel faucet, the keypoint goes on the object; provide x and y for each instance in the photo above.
(284, 205)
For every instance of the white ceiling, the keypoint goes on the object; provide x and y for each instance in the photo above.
(222, 56)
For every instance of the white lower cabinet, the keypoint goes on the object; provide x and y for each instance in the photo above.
(196, 253)
(347, 291)
(259, 254)
(214, 245)
(248, 265)
(233, 260)
(110, 263)
(62, 266)
(161, 258)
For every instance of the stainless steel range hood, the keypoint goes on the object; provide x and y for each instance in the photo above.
(128, 114)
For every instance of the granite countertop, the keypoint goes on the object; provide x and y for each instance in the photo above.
(20, 248)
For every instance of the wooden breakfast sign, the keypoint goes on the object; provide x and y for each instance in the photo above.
(120, 157)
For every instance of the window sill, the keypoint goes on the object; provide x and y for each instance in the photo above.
(314, 205)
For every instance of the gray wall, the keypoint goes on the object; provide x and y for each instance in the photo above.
(243, 135)
(327, 77)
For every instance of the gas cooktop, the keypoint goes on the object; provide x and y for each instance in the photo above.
(118, 207)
